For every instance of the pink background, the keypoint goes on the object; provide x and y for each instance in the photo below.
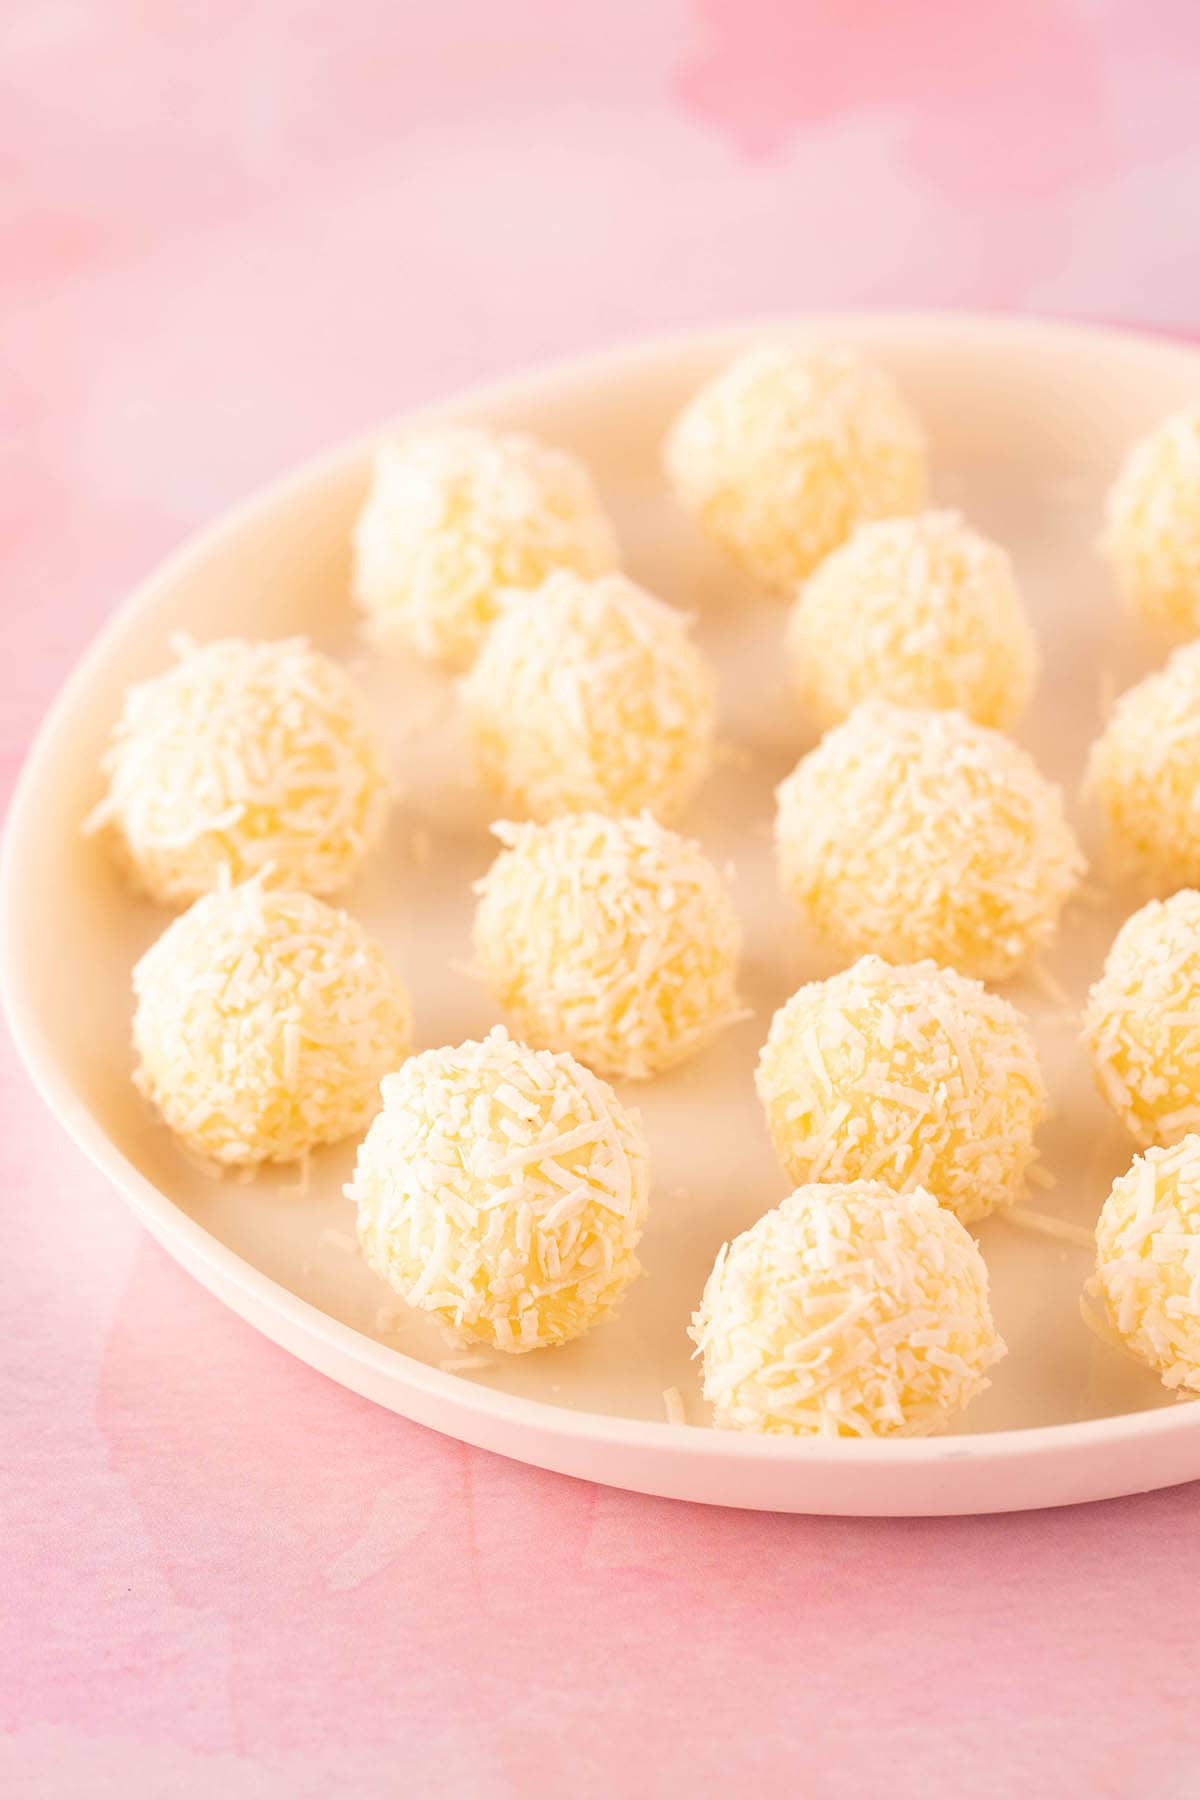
(231, 233)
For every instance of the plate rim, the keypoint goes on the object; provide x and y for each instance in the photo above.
(221, 1269)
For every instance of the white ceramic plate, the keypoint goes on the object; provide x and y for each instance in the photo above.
(1027, 423)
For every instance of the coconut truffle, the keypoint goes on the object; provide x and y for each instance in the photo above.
(849, 1311)
(243, 755)
(590, 696)
(1152, 525)
(1144, 770)
(922, 611)
(456, 516)
(615, 939)
(264, 1023)
(915, 1076)
(921, 834)
(503, 1190)
(1148, 1261)
(1141, 1023)
(785, 451)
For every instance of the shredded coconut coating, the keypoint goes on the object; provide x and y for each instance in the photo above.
(849, 1311)
(914, 1076)
(785, 451)
(590, 696)
(615, 939)
(503, 1190)
(1141, 1024)
(922, 611)
(455, 517)
(1144, 770)
(1148, 1261)
(243, 756)
(922, 834)
(264, 1023)
(1152, 525)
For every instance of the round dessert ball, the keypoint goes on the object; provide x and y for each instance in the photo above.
(849, 1311)
(503, 1190)
(1152, 525)
(590, 696)
(615, 939)
(1145, 772)
(243, 755)
(1148, 1261)
(915, 1076)
(922, 611)
(786, 450)
(264, 1024)
(921, 834)
(456, 516)
(1141, 1023)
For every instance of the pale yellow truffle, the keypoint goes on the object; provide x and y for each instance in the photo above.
(921, 834)
(615, 939)
(244, 755)
(915, 1076)
(264, 1023)
(1152, 524)
(503, 1190)
(922, 611)
(455, 517)
(590, 696)
(849, 1311)
(1141, 1024)
(1144, 770)
(786, 450)
(1148, 1261)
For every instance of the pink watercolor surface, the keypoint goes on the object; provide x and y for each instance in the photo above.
(230, 233)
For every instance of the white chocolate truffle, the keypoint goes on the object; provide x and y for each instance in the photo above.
(455, 517)
(615, 939)
(915, 1076)
(1141, 1024)
(921, 834)
(264, 1024)
(503, 1190)
(1144, 770)
(786, 450)
(1148, 1261)
(1152, 525)
(922, 611)
(590, 696)
(244, 755)
(848, 1311)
